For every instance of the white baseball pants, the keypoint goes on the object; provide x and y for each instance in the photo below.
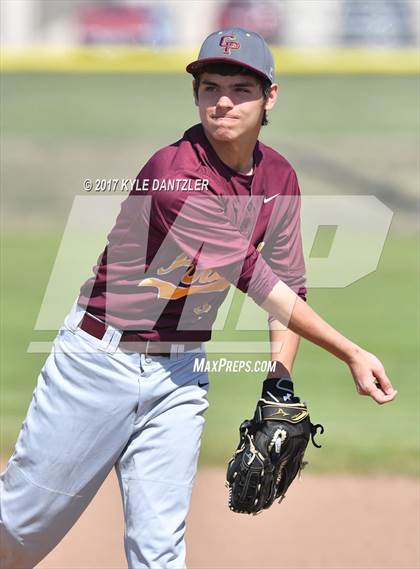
(96, 407)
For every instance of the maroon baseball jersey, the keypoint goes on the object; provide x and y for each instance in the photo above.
(189, 229)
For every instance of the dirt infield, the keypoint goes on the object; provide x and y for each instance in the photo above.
(334, 522)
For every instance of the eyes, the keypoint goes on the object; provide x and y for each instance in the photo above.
(213, 89)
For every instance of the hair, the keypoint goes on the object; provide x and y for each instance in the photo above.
(234, 69)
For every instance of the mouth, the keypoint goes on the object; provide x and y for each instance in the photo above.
(223, 117)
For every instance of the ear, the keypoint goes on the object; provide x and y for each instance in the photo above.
(194, 95)
(272, 97)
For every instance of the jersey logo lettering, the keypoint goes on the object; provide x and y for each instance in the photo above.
(170, 291)
(203, 309)
(228, 43)
(180, 261)
(191, 282)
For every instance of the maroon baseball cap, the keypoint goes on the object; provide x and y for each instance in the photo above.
(237, 46)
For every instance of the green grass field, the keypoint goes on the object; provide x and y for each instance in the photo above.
(345, 135)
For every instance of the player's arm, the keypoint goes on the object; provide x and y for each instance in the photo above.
(284, 253)
(203, 226)
(367, 371)
(284, 344)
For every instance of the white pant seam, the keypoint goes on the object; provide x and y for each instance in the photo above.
(159, 481)
(45, 487)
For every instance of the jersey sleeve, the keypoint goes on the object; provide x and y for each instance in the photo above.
(283, 249)
(200, 228)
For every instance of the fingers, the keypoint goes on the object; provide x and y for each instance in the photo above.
(379, 396)
(371, 379)
(383, 381)
(383, 391)
(375, 389)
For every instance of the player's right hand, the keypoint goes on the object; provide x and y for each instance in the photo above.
(370, 377)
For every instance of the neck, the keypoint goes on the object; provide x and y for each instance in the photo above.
(238, 155)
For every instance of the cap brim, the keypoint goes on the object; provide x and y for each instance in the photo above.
(196, 65)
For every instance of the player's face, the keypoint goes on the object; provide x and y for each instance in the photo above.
(232, 106)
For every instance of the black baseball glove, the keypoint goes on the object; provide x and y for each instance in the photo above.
(271, 447)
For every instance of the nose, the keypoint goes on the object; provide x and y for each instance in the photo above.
(224, 102)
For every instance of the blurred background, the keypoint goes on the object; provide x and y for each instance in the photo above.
(331, 23)
(92, 89)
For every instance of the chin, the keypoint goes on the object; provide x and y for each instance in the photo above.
(223, 134)
(224, 137)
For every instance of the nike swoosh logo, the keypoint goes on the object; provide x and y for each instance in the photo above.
(266, 200)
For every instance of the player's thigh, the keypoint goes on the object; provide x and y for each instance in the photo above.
(167, 434)
(79, 420)
(80, 417)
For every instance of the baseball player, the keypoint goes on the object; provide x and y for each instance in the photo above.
(216, 208)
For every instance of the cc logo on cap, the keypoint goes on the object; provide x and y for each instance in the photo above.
(228, 43)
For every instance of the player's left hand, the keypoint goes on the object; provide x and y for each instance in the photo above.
(271, 447)
(370, 377)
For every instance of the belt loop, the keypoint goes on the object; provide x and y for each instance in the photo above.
(74, 317)
(146, 351)
(111, 339)
(177, 350)
(114, 342)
